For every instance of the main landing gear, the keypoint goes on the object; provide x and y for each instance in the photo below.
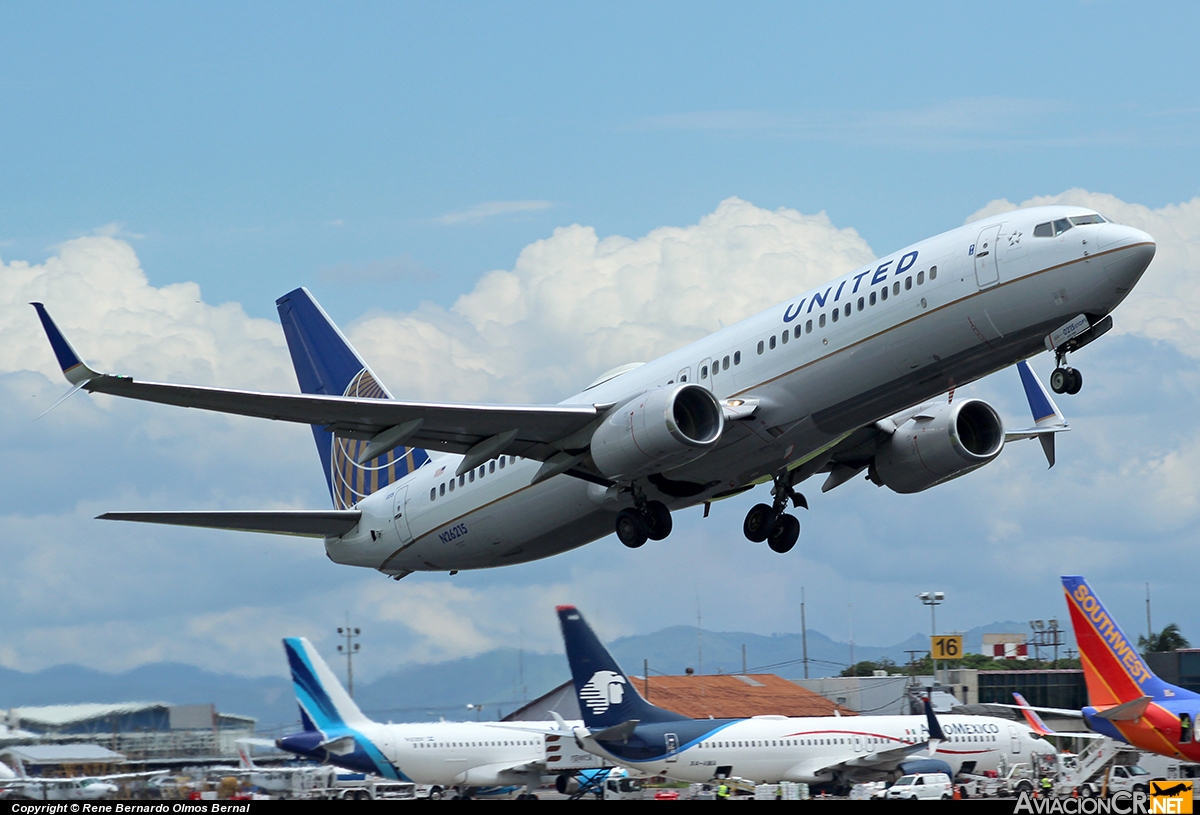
(770, 523)
(645, 520)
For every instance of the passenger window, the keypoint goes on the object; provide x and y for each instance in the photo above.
(847, 309)
(907, 283)
(836, 313)
(760, 346)
(872, 298)
(861, 304)
(471, 476)
(920, 277)
(796, 333)
(725, 364)
(821, 323)
(501, 462)
(784, 337)
(482, 470)
(772, 342)
(462, 479)
(896, 287)
(492, 466)
(933, 273)
(808, 327)
(432, 493)
(451, 485)
(737, 357)
(1061, 226)
(883, 293)
(442, 489)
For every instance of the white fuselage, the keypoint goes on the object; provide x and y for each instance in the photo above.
(769, 749)
(910, 326)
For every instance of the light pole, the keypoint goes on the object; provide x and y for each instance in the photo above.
(932, 599)
(478, 710)
(349, 649)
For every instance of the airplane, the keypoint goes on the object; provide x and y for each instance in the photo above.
(621, 727)
(847, 378)
(462, 756)
(1126, 700)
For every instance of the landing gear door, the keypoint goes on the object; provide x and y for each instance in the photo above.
(987, 272)
(400, 514)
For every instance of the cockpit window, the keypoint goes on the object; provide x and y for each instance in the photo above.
(1045, 230)
(1052, 229)
(1083, 220)
(1061, 226)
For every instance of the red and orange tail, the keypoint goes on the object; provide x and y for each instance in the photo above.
(1112, 667)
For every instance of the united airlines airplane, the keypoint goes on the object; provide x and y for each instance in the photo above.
(622, 727)
(846, 378)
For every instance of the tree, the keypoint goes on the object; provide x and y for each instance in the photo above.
(868, 667)
(1169, 639)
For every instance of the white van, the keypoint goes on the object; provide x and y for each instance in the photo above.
(920, 786)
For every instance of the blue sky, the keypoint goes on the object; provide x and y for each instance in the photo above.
(162, 160)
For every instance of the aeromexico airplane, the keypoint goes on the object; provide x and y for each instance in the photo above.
(837, 380)
(1126, 700)
(620, 726)
(444, 755)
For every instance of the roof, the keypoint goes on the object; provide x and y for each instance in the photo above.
(721, 696)
(735, 696)
(64, 754)
(63, 715)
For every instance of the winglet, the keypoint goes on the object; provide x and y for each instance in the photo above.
(936, 734)
(73, 367)
(1047, 418)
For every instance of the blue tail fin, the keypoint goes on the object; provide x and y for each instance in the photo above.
(326, 363)
(324, 704)
(606, 696)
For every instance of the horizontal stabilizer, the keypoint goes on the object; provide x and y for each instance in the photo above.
(1126, 712)
(1047, 418)
(620, 732)
(318, 523)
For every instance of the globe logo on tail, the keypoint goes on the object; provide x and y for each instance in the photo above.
(603, 690)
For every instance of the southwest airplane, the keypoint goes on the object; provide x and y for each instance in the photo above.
(625, 729)
(444, 755)
(837, 380)
(1126, 700)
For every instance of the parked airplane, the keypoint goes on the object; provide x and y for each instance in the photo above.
(1126, 700)
(620, 726)
(459, 755)
(824, 383)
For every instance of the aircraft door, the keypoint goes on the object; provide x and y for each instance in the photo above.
(672, 741)
(987, 272)
(858, 744)
(400, 513)
(702, 374)
(684, 375)
(1014, 736)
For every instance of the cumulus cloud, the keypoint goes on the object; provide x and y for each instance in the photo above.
(490, 209)
(1165, 306)
(576, 304)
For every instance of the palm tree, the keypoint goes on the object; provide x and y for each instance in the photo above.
(1169, 639)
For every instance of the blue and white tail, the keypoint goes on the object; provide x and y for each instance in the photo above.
(324, 703)
(606, 696)
(326, 363)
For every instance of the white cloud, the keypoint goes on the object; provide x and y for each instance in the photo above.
(490, 209)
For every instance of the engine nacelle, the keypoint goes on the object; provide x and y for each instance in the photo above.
(939, 443)
(660, 429)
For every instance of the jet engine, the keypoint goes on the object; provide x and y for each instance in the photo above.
(657, 430)
(939, 443)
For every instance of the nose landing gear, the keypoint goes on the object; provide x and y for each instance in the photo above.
(770, 523)
(1066, 380)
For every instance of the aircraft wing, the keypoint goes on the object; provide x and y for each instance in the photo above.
(300, 522)
(530, 431)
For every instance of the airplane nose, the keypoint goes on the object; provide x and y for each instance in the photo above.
(1113, 236)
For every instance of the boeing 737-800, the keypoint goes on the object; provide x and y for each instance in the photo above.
(836, 380)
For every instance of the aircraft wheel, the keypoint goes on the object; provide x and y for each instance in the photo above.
(1074, 381)
(435, 794)
(658, 520)
(632, 529)
(784, 534)
(758, 523)
(1058, 380)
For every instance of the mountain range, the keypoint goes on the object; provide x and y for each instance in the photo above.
(495, 682)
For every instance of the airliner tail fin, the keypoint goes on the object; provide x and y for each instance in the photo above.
(324, 703)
